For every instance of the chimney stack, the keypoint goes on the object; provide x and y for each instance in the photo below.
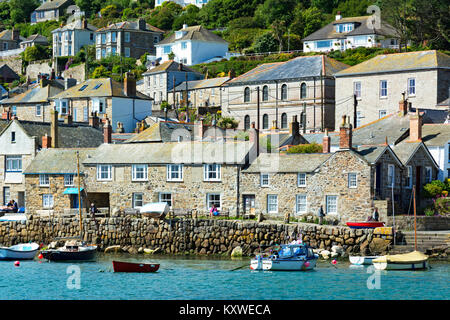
(403, 107)
(68, 119)
(294, 127)
(253, 137)
(142, 24)
(345, 135)
(54, 128)
(129, 85)
(69, 82)
(107, 132)
(338, 16)
(15, 34)
(326, 143)
(120, 128)
(84, 23)
(415, 126)
(52, 75)
(6, 115)
(93, 120)
(199, 130)
(46, 142)
(185, 26)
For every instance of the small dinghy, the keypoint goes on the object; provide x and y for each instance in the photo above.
(23, 251)
(120, 266)
(155, 209)
(357, 260)
(415, 260)
(365, 224)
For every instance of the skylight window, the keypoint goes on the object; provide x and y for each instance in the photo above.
(98, 86)
(83, 87)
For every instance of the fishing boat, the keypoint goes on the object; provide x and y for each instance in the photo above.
(22, 251)
(120, 266)
(414, 260)
(71, 252)
(294, 256)
(361, 260)
(155, 209)
(365, 224)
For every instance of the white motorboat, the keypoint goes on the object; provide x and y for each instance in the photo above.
(290, 257)
(415, 260)
(22, 251)
(155, 209)
(357, 260)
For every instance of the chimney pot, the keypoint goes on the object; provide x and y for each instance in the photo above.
(107, 132)
(129, 85)
(54, 128)
(46, 142)
(198, 129)
(403, 107)
(326, 143)
(294, 127)
(415, 126)
(345, 134)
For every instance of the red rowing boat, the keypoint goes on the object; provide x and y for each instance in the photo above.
(365, 224)
(119, 266)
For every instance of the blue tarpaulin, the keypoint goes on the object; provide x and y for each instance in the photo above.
(72, 190)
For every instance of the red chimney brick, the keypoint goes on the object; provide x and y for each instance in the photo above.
(46, 142)
(107, 132)
(403, 107)
(326, 144)
(345, 134)
(415, 126)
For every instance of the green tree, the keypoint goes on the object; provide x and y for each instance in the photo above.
(307, 21)
(164, 16)
(34, 53)
(188, 16)
(325, 6)
(306, 148)
(101, 72)
(265, 43)
(21, 9)
(275, 10)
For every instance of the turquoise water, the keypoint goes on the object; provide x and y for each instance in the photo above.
(196, 278)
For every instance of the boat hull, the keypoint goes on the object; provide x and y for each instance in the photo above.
(283, 265)
(362, 260)
(365, 225)
(401, 266)
(119, 266)
(59, 255)
(19, 252)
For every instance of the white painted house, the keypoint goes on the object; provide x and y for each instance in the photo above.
(183, 3)
(350, 33)
(68, 40)
(192, 45)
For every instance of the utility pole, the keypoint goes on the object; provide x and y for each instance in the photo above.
(276, 104)
(314, 104)
(257, 105)
(304, 117)
(321, 98)
(355, 113)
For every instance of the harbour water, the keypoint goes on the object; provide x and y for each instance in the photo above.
(195, 278)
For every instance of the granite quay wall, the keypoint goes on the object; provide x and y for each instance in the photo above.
(424, 223)
(195, 236)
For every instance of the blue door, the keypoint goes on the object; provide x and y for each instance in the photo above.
(75, 201)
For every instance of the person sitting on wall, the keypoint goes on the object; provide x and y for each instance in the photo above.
(14, 208)
(9, 207)
(214, 211)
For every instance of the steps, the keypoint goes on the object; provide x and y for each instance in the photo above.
(426, 240)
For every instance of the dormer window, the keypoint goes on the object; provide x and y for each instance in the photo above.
(344, 27)
(179, 34)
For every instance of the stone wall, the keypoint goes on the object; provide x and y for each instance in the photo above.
(78, 72)
(192, 236)
(35, 68)
(424, 223)
(14, 62)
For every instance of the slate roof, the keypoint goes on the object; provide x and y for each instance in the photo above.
(54, 4)
(7, 35)
(8, 73)
(58, 161)
(399, 62)
(75, 25)
(69, 136)
(283, 139)
(102, 87)
(197, 33)
(164, 132)
(201, 84)
(287, 163)
(361, 28)
(297, 68)
(36, 38)
(171, 152)
(170, 65)
(129, 25)
(37, 94)
(436, 135)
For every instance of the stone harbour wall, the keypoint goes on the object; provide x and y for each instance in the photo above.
(195, 236)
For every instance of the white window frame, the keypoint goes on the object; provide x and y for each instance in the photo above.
(127, 37)
(428, 174)
(127, 52)
(408, 177)
(44, 180)
(69, 180)
(161, 198)
(38, 110)
(298, 203)
(108, 172)
(352, 180)
(330, 206)
(99, 105)
(207, 170)
(382, 114)
(272, 203)
(135, 173)
(383, 89)
(175, 169)
(47, 201)
(391, 175)
(300, 179)
(411, 87)
(264, 180)
(209, 202)
(13, 163)
(137, 200)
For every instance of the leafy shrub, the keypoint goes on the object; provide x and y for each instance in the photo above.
(306, 148)
(442, 205)
(227, 123)
(434, 189)
(429, 212)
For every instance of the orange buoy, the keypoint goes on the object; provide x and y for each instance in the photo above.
(334, 261)
(40, 256)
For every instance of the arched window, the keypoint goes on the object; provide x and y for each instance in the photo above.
(284, 92)
(265, 93)
(265, 121)
(303, 91)
(247, 94)
(284, 120)
(247, 122)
